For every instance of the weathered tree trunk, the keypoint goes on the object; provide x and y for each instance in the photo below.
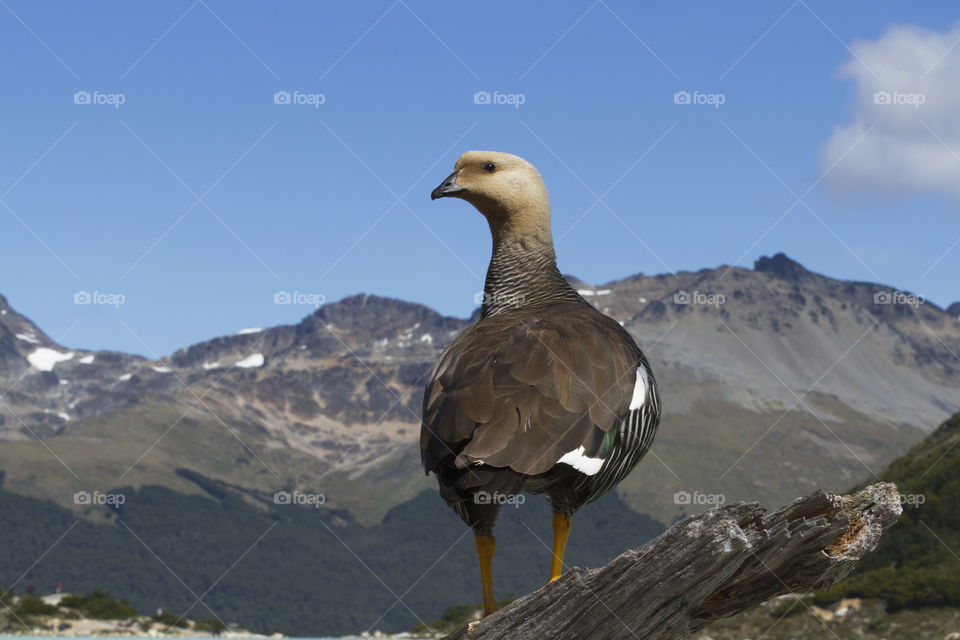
(703, 568)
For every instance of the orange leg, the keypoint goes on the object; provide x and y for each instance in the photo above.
(561, 531)
(485, 548)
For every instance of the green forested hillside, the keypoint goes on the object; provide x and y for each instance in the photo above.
(313, 571)
(917, 562)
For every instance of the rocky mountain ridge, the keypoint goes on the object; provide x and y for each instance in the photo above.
(764, 369)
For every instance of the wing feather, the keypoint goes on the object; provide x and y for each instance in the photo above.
(520, 390)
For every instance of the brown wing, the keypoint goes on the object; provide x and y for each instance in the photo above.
(520, 390)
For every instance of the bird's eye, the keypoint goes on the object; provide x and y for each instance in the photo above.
(489, 167)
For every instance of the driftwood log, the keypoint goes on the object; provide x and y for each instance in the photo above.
(703, 568)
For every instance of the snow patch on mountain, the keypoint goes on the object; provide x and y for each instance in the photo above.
(44, 359)
(251, 361)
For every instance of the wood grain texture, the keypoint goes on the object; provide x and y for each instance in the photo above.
(703, 568)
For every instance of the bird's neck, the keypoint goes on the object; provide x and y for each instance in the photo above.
(523, 273)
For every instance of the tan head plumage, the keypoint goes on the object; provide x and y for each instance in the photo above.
(505, 188)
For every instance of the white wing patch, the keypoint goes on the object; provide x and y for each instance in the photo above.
(591, 466)
(581, 462)
(639, 389)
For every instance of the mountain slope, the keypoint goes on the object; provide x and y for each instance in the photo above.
(301, 570)
(762, 371)
(916, 562)
(775, 381)
(779, 381)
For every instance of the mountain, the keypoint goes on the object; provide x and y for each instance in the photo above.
(954, 310)
(764, 370)
(775, 380)
(38, 401)
(778, 381)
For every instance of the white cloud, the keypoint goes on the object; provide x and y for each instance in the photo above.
(905, 131)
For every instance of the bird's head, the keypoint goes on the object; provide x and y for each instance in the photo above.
(505, 188)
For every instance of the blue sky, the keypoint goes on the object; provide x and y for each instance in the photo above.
(198, 198)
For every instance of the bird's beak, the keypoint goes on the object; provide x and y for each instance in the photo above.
(448, 187)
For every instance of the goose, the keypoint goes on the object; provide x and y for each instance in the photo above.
(544, 394)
